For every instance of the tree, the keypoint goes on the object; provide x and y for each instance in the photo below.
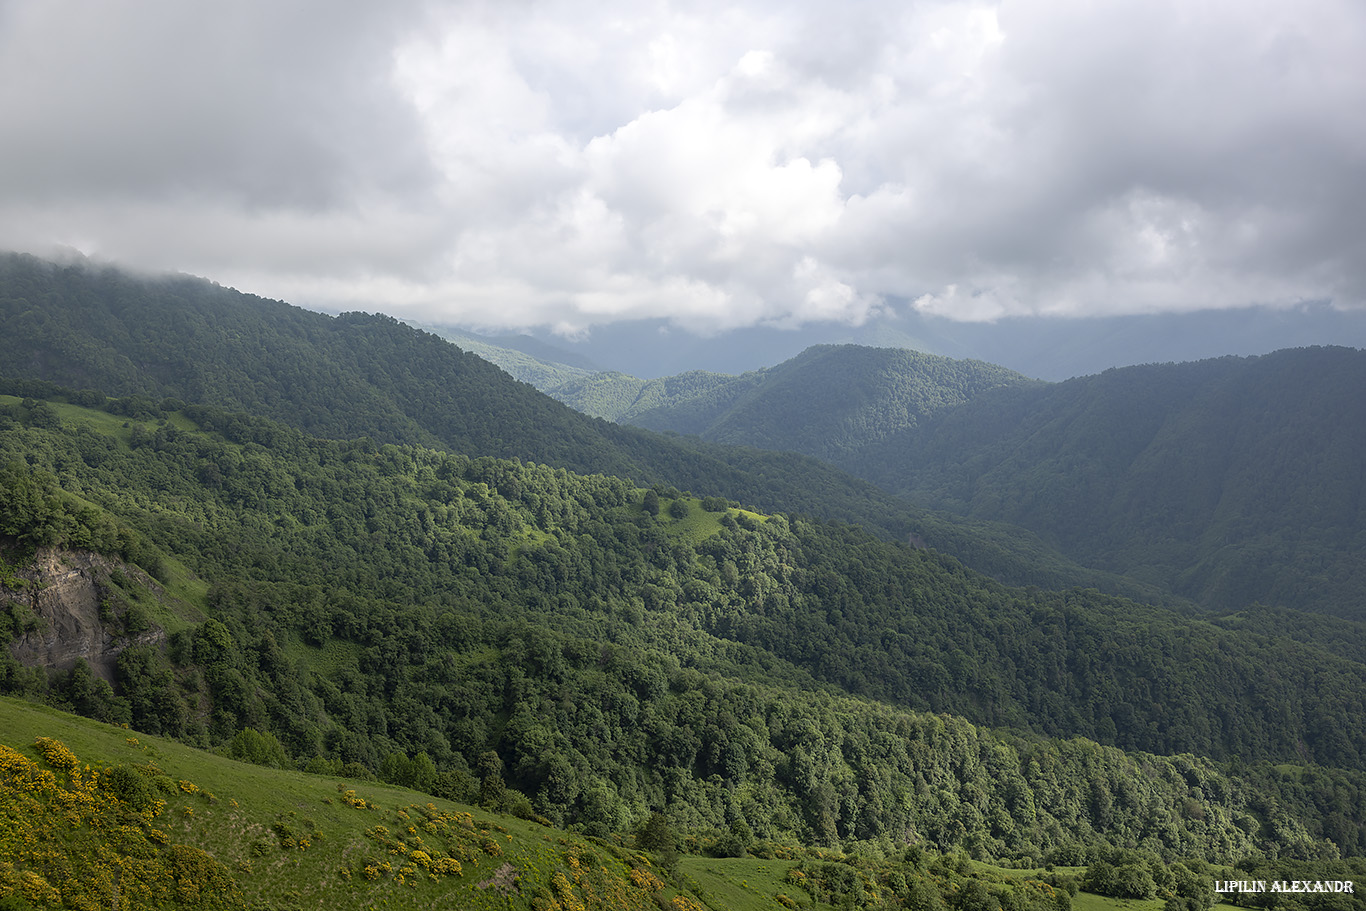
(656, 834)
(492, 788)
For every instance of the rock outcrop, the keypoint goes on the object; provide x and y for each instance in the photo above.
(64, 590)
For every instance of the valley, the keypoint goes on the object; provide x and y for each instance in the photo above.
(339, 551)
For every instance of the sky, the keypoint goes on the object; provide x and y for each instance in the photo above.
(569, 165)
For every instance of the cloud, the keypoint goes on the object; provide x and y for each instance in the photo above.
(571, 164)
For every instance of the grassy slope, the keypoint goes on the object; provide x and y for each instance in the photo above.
(256, 820)
(240, 813)
(238, 827)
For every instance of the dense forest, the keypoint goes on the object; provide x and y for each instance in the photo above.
(604, 650)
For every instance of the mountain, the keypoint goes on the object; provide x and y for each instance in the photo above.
(1227, 481)
(1129, 474)
(1051, 348)
(389, 605)
(828, 402)
(183, 339)
(334, 543)
(1224, 482)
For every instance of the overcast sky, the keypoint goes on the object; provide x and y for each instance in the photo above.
(525, 163)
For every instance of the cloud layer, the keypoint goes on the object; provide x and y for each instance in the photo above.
(570, 164)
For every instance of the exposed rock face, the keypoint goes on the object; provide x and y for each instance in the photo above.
(64, 592)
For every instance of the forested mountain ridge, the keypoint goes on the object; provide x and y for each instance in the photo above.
(175, 337)
(827, 402)
(386, 606)
(1228, 481)
(1225, 482)
(357, 375)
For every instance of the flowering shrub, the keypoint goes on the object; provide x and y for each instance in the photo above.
(646, 880)
(446, 866)
(564, 892)
(351, 800)
(56, 754)
(69, 840)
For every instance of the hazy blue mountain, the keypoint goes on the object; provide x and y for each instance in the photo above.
(521, 356)
(1050, 348)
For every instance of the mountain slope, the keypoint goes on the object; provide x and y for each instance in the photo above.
(278, 523)
(352, 376)
(161, 825)
(418, 613)
(1228, 481)
(185, 339)
(1224, 482)
(234, 835)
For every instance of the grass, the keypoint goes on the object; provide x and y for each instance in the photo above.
(743, 883)
(114, 426)
(327, 660)
(286, 836)
(1085, 901)
(189, 592)
(697, 525)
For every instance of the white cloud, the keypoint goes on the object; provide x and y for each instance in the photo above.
(570, 164)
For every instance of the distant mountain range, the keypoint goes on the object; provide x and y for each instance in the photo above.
(1049, 348)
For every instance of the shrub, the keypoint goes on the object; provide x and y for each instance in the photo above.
(128, 786)
(56, 754)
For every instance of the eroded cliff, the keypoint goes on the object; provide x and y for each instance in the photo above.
(72, 609)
